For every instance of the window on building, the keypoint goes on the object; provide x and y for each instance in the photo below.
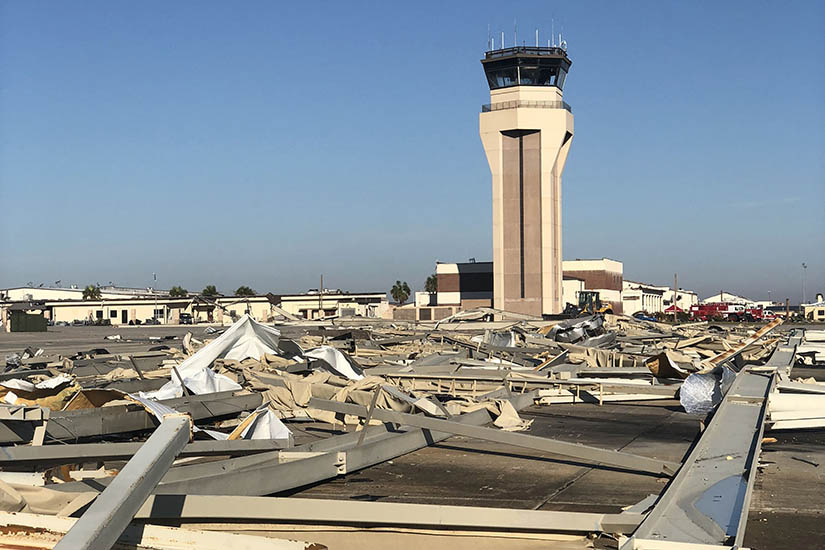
(99, 314)
(158, 313)
(113, 313)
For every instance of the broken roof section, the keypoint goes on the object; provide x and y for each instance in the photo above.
(245, 339)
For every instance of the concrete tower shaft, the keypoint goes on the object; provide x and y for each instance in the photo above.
(526, 131)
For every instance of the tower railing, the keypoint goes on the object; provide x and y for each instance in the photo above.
(488, 107)
(526, 50)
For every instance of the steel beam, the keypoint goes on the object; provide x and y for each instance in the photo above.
(708, 500)
(583, 453)
(109, 515)
(266, 474)
(348, 512)
(18, 457)
(273, 477)
(79, 424)
(30, 531)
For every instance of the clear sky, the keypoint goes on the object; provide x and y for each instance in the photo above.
(265, 143)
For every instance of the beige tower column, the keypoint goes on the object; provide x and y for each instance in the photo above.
(526, 132)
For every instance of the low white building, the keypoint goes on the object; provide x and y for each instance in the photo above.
(602, 274)
(570, 288)
(729, 297)
(638, 297)
(24, 293)
(684, 298)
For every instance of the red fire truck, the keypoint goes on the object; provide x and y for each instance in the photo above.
(725, 311)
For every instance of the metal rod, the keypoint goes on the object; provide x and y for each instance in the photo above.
(369, 415)
(180, 379)
(137, 369)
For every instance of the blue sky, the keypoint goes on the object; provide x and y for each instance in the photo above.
(265, 143)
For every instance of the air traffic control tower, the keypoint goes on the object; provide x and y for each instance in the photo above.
(526, 131)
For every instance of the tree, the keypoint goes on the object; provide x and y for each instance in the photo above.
(91, 292)
(431, 285)
(400, 292)
(178, 292)
(210, 291)
(244, 291)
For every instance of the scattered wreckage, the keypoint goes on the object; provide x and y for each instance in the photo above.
(101, 449)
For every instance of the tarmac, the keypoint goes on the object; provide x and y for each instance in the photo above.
(786, 509)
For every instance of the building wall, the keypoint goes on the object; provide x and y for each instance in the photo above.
(570, 290)
(527, 197)
(641, 297)
(307, 305)
(113, 311)
(603, 275)
(463, 282)
(684, 298)
(597, 274)
(814, 312)
(727, 297)
(425, 314)
(226, 311)
(258, 308)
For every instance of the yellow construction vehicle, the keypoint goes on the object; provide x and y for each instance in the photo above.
(590, 303)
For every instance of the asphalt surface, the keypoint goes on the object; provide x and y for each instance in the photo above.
(69, 340)
(786, 509)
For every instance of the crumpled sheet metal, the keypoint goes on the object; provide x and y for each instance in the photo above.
(16, 497)
(296, 391)
(701, 392)
(668, 365)
(336, 361)
(574, 330)
(245, 339)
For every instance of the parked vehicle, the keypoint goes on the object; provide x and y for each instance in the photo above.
(151, 321)
(718, 311)
(643, 316)
(186, 319)
(768, 315)
(754, 314)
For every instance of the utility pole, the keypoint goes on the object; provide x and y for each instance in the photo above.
(155, 292)
(787, 309)
(804, 276)
(321, 298)
(675, 297)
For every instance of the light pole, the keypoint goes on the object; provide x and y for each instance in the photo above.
(155, 292)
(804, 276)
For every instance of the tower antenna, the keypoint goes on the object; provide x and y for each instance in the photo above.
(537, 38)
(515, 33)
(502, 40)
(488, 37)
(553, 31)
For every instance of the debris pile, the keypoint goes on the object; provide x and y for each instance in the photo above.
(95, 440)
